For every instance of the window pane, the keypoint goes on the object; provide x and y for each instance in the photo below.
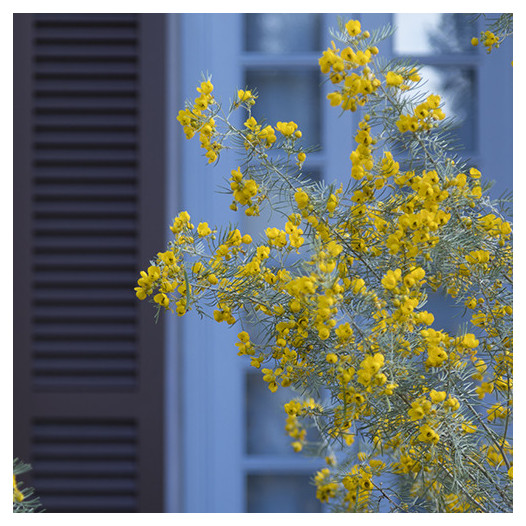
(285, 95)
(281, 494)
(433, 33)
(457, 89)
(282, 33)
(266, 418)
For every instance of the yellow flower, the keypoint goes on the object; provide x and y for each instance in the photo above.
(324, 333)
(140, 293)
(452, 403)
(391, 279)
(490, 40)
(332, 203)
(331, 358)
(393, 79)
(17, 494)
(335, 98)
(433, 101)
(427, 434)
(468, 427)
(162, 299)
(436, 356)
(470, 341)
(302, 199)
(297, 446)
(245, 96)
(484, 389)
(358, 286)
(251, 123)
(414, 76)
(416, 412)
(471, 303)
(243, 336)
(425, 317)
(286, 128)
(353, 27)
(203, 229)
(437, 396)
(206, 88)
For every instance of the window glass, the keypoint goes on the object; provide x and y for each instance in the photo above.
(457, 89)
(266, 418)
(433, 33)
(282, 33)
(284, 95)
(281, 494)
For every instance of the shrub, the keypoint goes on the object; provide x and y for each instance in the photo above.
(331, 301)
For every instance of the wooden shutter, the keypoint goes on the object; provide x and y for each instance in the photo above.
(89, 179)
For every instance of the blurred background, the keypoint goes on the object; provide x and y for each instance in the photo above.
(114, 412)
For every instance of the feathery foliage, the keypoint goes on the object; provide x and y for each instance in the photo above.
(331, 301)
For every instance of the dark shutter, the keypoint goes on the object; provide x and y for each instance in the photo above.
(89, 180)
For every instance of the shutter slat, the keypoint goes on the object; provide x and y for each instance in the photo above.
(85, 226)
(88, 330)
(87, 467)
(104, 70)
(47, 33)
(95, 51)
(87, 119)
(84, 88)
(85, 138)
(97, 312)
(88, 486)
(84, 348)
(85, 191)
(84, 103)
(72, 277)
(85, 262)
(83, 19)
(62, 450)
(110, 293)
(71, 208)
(65, 366)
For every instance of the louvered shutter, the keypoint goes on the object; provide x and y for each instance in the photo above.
(89, 180)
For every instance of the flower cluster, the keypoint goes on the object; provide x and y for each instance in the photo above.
(424, 116)
(496, 32)
(488, 39)
(199, 118)
(348, 69)
(332, 299)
